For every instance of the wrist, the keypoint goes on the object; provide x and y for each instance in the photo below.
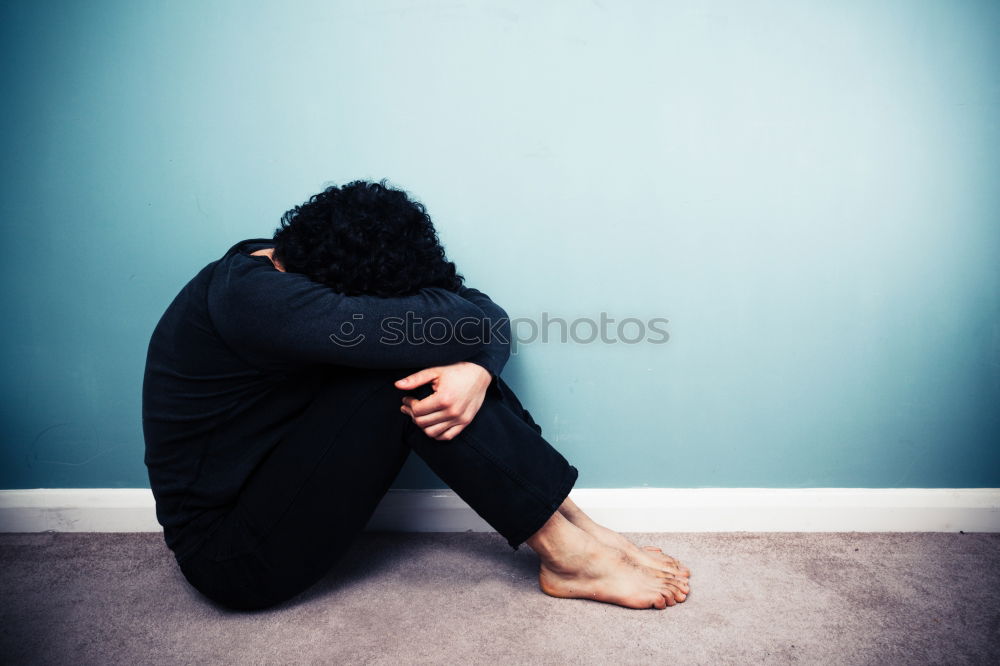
(485, 376)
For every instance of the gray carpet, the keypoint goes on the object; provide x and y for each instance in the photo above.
(467, 599)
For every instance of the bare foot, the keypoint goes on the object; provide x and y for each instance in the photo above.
(602, 573)
(650, 556)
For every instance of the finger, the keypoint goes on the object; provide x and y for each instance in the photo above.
(412, 404)
(433, 418)
(417, 379)
(432, 403)
(409, 401)
(438, 429)
(452, 432)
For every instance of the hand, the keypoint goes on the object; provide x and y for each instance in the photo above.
(459, 390)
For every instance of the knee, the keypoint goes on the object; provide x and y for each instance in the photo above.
(500, 397)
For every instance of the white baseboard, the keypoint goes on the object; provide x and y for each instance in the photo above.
(623, 509)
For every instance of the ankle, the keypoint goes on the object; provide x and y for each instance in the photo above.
(575, 514)
(573, 558)
(573, 553)
(559, 541)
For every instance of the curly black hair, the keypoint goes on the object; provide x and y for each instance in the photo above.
(364, 238)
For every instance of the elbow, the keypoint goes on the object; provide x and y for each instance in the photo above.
(497, 332)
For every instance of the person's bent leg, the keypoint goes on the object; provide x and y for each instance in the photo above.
(501, 466)
(647, 555)
(310, 497)
(514, 479)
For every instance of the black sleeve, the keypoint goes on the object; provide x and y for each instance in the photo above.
(270, 317)
(495, 332)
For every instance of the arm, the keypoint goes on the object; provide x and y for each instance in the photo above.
(273, 317)
(497, 334)
(460, 388)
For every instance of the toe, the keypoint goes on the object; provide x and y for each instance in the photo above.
(652, 549)
(679, 583)
(674, 592)
(672, 571)
(681, 569)
(671, 561)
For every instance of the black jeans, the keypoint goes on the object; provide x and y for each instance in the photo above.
(315, 492)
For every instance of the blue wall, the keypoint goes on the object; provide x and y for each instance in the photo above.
(806, 190)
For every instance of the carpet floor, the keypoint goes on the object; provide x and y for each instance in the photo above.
(467, 598)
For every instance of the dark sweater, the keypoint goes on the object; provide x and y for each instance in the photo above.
(238, 355)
